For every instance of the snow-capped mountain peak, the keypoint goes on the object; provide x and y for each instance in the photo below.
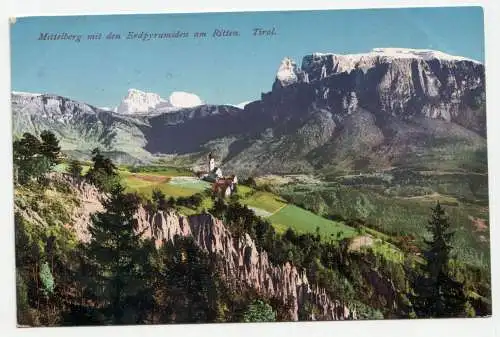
(287, 71)
(320, 65)
(138, 101)
(22, 93)
(425, 54)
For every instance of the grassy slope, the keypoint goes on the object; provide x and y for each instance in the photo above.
(260, 199)
(304, 221)
(283, 215)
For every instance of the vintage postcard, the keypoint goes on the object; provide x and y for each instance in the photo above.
(250, 167)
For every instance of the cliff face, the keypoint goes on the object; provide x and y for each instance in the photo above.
(394, 82)
(369, 111)
(241, 264)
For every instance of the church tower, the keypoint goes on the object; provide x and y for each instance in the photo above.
(211, 162)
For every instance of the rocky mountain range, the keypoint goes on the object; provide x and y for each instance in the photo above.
(384, 108)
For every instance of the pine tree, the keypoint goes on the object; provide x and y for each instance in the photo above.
(75, 168)
(117, 259)
(189, 282)
(103, 172)
(27, 158)
(50, 147)
(438, 294)
(159, 200)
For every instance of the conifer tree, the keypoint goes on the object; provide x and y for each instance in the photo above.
(50, 147)
(75, 168)
(159, 200)
(189, 280)
(116, 258)
(28, 160)
(103, 172)
(47, 279)
(438, 294)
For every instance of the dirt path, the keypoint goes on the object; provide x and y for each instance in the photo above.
(279, 209)
(151, 178)
(432, 195)
(360, 241)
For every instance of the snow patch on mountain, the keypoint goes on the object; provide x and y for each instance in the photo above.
(22, 93)
(425, 54)
(364, 61)
(288, 73)
(242, 104)
(400, 53)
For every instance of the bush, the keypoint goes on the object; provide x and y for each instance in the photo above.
(259, 311)
(250, 182)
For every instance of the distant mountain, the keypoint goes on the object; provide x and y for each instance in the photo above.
(140, 102)
(389, 107)
(375, 110)
(80, 126)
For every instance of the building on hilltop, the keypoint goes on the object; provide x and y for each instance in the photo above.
(211, 162)
(214, 172)
(223, 186)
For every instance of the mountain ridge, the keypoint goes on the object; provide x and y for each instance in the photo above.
(309, 117)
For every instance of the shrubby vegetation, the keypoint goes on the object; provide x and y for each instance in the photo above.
(34, 157)
(259, 311)
(398, 217)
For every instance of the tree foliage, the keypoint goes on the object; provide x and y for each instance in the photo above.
(47, 279)
(437, 293)
(34, 158)
(103, 172)
(116, 259)
(75, 168)
(259, 311)
(190, 282)
(50, 147)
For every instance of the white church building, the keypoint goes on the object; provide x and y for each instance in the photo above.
(224, 186)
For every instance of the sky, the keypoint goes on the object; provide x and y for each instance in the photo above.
(221, 70)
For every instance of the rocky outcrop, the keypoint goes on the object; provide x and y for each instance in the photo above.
(241, 263)
(90, 201)
(394, 82)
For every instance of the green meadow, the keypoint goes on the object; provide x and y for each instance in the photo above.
(304, 221)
